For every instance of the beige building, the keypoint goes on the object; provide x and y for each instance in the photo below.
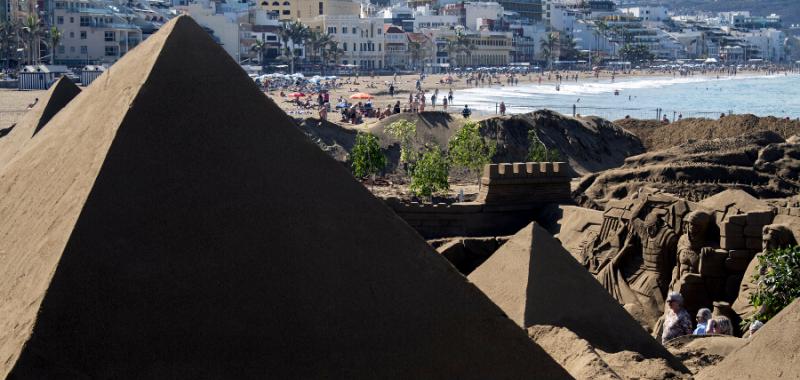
(361, 38)
(308, 9)
(224, 21)
(92, 33)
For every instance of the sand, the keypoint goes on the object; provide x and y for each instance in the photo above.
(155, 229)
(58, 96)
(700, 352)
(773, 352)
(536, 282)
(657, 136)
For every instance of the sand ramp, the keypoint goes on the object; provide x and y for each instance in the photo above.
(58, 96)
(772, 353)
(171, 222)
(537, 282)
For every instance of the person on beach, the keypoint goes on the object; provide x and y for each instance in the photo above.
(391, 89)
(444, 104)
(323, 113)
(502, 108)
(450, 96)
(703, 315)
(397, 107)
(676, 321)
(466, 112)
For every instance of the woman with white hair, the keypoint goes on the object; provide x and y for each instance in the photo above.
(676, 321)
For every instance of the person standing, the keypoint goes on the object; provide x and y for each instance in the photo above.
(391, 90)
(444, 104)
(502, 108)
(676, 320)
(450, 96)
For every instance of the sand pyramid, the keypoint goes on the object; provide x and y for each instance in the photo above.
(182, 227)
(772, 353)
(59, 94)
(537, 282)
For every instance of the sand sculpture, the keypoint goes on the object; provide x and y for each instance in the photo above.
(536, 282)
(771, 353)
(719, 238)
(58, 96)
(172, 222)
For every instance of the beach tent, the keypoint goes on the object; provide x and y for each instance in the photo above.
(537, 282)
(39, 77)
(159, 230)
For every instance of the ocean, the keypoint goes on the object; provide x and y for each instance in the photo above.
(696, 96)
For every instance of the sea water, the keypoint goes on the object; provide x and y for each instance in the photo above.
(646, 97)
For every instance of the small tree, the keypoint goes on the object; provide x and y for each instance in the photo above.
(538, 151)
(367, 157)
(467, 148)
(778, 282)
(430, 173)
(405, 131)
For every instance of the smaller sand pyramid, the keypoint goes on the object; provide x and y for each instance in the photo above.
(61, 93)
(772, 353)
(537, 282)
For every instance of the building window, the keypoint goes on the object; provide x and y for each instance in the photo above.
(60, 20)
(276, 4)
(61, 49)
(109, 36)
(344, 30)
(84, 49)
(83, 34)
(72, 49)
(344, 47)
(321, 8)
(72, 20)
(286, 12)
(86, 21)
(71, 34)
(111, 51)
(272, 38)
(286, 3)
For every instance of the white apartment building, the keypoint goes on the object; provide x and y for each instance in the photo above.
(476, 12)
(768, 43)
(654, 13)
(223, 20)
(91, 32)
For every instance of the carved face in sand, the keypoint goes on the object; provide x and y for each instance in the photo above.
(696, 225)
(775, 236)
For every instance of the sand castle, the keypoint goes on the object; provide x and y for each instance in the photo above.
(158, 227)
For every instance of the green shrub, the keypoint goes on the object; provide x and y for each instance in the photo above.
(778, 282)
(430, 174)
(467, 148)
(367, 157)
(404, 131)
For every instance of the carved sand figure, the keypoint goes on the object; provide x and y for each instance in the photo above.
(651, 244)
(774, 236)
(692, 246)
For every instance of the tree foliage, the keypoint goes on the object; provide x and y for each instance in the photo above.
(367, 157)
(777, 282)
(467, 148)
(538, 151)
(405, 131)
(430, 174)
(636, 53)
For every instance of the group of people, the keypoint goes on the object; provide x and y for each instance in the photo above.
(677, 321)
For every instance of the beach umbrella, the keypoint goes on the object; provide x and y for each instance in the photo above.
(297, 95)
(361, 95)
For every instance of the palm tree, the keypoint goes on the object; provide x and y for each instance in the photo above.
(459, 46)
(547, 45)
(9, 36)
(415, 48)
(260, 48)
(55, 39)
(330, 53)
(32, 29)
(317, 41)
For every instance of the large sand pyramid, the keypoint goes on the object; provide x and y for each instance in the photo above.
(182, 227)
(772, 353)
(537, 282)
(58, 96)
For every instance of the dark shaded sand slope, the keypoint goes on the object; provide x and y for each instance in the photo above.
(172, 223)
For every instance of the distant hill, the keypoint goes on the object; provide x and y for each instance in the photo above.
(788, 9)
